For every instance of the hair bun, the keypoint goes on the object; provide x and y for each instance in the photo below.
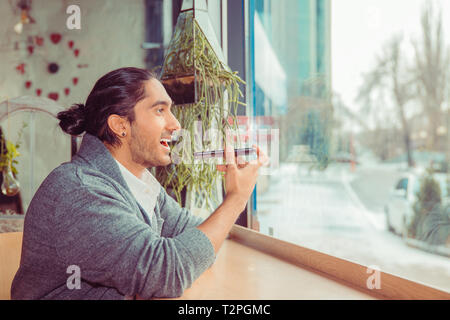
(73, 120)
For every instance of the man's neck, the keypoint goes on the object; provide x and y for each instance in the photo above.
(124, 158)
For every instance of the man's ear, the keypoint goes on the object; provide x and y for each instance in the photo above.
(118, 125)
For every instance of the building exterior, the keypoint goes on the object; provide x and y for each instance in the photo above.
(300, 33)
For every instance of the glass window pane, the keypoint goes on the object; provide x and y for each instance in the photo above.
(343, 90)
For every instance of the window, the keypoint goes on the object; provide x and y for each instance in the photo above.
(338, 101)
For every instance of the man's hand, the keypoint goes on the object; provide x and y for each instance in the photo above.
(240, 176)
(240, 179)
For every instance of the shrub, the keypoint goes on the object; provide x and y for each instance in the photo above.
(429, 199)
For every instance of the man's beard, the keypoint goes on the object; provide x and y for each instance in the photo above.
(140, 150)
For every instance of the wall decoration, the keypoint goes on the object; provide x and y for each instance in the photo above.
(55, 37)
(21, 68)
(44, 53)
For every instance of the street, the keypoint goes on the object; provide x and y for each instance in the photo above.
(340, 212)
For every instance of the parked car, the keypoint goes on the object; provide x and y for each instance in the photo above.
(399, 208)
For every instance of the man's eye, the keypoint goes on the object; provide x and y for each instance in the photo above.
(160, 110)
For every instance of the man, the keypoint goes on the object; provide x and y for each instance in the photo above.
(104, 217)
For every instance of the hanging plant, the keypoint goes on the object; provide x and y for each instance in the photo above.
(204, 91)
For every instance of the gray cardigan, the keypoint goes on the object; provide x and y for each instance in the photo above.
(84, 215)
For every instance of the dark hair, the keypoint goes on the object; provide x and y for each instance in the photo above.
(117, 92)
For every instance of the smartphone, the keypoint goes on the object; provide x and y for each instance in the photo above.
(221, 153)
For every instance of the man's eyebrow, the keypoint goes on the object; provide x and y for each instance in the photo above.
(160, 102)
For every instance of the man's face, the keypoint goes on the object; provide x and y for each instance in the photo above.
(153, 123)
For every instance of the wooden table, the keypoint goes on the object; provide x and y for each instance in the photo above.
(241, 272)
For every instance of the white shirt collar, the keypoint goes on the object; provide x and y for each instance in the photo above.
(145, 189)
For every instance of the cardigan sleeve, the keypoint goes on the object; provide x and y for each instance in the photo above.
(176, 219)
(97, 231)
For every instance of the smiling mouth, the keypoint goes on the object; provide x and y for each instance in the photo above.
(165, 143)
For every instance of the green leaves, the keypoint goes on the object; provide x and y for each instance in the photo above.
(10, 151)
(218, 92)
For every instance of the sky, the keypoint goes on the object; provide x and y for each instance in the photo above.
(360, 27)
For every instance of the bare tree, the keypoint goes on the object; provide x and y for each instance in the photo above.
(431, 68)
(390, 77)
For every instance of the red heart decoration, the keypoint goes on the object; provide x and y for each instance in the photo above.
(39, 40)
(75, 81)
(55, 37)
(53, 95)
(21, 68)
(70, 44)
(38, 92)
(28, 84)
(67, 91)
(30, 49)
(76, 52)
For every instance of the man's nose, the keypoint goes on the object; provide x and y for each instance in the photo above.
(173, 124)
